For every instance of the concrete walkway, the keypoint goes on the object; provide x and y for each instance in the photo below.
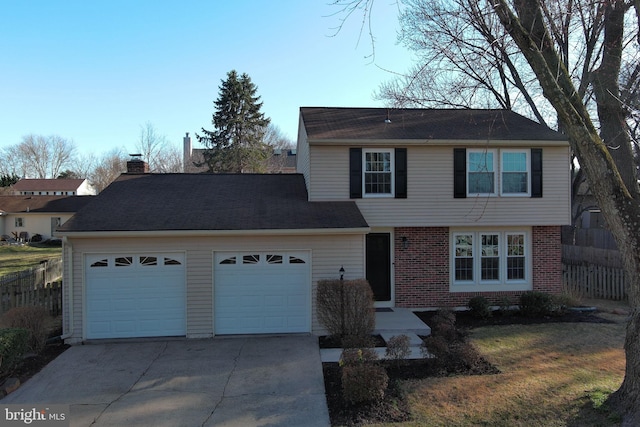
(244, 381)
(389, 323)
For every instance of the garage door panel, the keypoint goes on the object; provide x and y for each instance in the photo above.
(268, 295)
(135, 300)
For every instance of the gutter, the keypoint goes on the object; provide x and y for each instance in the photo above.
(213, 233)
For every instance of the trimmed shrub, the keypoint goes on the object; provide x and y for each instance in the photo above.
(398, 348)
(31, 318)
(534, 303)
(479, 307)
(443, 324)
(345, 307)
(13, 345)
(364, 383)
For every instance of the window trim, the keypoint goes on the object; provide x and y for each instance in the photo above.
(527, 162)
(392, 172)
(494, 171)
(19, 222)
(503, 284)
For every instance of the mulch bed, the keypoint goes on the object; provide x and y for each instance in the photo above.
(394, 407)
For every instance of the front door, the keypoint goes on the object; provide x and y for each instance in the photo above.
(379, 265)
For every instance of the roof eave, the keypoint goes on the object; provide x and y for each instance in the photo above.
(211, 233)
(440, 142)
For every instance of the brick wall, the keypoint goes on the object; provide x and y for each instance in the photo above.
(422, 269)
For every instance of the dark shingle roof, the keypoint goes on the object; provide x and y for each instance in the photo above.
(162, 202)
(15, 204)
(326, 123)
(48, 184)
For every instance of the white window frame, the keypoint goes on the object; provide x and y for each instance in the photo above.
(19, 222)
(392, 171)
(495, 171)
(527, 170)
(503, 283)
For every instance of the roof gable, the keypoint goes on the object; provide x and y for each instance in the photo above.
(157, 202)
(327, 123)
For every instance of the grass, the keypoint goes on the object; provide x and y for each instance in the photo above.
(557, 374)
(15, 258)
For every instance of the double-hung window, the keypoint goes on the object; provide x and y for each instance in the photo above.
(19, 222)
(481, 167)
(490, 261)
(515, 172)
(378, 172)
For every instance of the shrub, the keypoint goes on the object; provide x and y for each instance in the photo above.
(31, 318)
(357, 356)
(345, 307)
(505, 305)
(534, 303)
(398, 348)
(479, 307)
(364, 383)
(443, 324)
(13, 344)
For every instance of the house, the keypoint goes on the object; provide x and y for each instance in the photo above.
(431, 206)
(280, 161)
(53, 187)
(32, 215)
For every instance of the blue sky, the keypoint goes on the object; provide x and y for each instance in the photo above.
(96, 71)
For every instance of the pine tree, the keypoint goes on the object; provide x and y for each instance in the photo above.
(237, 142)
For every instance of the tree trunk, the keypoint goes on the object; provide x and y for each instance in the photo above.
(620, 208)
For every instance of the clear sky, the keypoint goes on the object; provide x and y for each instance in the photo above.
(96, 71)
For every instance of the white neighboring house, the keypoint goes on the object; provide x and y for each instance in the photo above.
(53, 187)
(31, 215)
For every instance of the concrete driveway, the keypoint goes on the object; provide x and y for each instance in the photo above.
(243, 381)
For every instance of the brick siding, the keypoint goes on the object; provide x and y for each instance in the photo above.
(422, 269)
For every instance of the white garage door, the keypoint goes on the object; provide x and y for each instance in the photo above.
(135, 295)
(262, 292)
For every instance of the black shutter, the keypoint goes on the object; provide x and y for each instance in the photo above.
(401, 173)
(355, 173)
(536, 172)
(459, 173)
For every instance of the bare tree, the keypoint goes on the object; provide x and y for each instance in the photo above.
(108, 168)
(38, 156)
(162, 156)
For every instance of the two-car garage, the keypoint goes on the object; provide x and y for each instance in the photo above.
(145, 294)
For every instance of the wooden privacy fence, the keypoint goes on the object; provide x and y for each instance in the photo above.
(593, 280)
(40, 286)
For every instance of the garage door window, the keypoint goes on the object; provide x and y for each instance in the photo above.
(274, 259)
(101, 263)
(171, 261)
(251, 259)
(296, 260)
(148, 261)
(124, 261)
(230, 260)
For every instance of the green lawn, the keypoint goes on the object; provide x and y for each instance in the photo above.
(15, 258)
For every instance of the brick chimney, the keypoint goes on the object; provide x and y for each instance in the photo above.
(136, 165)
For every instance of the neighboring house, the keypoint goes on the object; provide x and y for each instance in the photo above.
(431, 206)
(31, 215)
(53, 187)
(280, 160)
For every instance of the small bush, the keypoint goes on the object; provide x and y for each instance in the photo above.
(358, 356)
(364, 383)
(505, 305)
(13, 344)
(443, 324)
(479, 307)
(31, 318)
(534, 304)
(345, 307)
(398, 348)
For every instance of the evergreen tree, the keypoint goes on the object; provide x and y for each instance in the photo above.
(7, 180)
(236, 144)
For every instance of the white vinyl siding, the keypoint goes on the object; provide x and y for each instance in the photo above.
(328, 253)
(430, 201)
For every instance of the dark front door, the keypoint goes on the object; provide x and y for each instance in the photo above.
(379, 265)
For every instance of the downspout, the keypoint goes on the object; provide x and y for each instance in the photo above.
(67, 244)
